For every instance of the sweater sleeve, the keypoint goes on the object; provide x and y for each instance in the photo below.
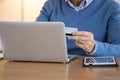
(112, 46)
(46, 11)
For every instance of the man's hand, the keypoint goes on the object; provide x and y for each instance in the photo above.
(84, 40)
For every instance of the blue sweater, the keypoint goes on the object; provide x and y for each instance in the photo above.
(101, 17)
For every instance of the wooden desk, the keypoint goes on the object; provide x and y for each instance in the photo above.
(55, 71)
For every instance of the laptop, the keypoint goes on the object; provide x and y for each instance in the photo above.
(34, 41)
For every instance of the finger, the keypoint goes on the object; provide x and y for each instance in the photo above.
(74, 37)
(84, 42)
(81, 38)
(82, 33)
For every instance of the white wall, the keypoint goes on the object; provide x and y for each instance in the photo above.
(10, 10)
(16, 10)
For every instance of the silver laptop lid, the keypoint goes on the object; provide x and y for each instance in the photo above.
(34, 41)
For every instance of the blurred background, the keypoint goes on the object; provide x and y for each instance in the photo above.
(20, 10)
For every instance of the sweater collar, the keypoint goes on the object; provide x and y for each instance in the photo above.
(83, 4)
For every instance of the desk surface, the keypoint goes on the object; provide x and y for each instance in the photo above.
(56, 71)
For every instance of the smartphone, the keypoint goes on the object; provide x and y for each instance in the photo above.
(100, 61)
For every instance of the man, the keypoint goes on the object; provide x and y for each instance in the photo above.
(98, 22)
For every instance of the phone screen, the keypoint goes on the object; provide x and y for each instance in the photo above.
(99, 60)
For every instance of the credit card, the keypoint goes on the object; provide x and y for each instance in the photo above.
(70, 30)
